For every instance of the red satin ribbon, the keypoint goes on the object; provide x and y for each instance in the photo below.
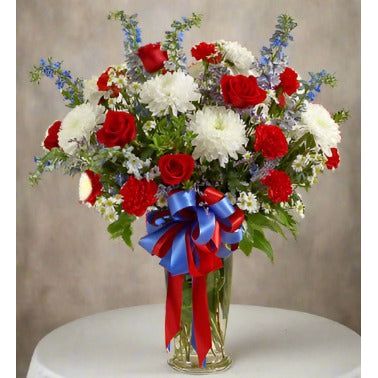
(173, 307)
(202, 330)
(202, 260)
(200, 309)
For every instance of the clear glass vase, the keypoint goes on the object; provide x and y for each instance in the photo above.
(182, 356)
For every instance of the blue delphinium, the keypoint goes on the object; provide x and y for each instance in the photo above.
(71, 89)
(273, 59)
(121, 178)
(260, 173)
(174, 38)
(131, 42)
(313, 86)
(138, 36)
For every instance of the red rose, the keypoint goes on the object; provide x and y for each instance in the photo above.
(279, 186)
(176, 168)
(241, 91)
(90, 187)
(138, 195)
(102, 84)
(118, 129)
(207, 52)
(51, 138)
(333, 161)
(152, 57)
(289, 81)
(271, 141)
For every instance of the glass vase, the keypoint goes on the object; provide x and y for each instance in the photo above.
(182, 356)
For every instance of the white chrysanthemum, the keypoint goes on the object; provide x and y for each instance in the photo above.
(91, 92)
(174, 90)
(248, 202)
(85, 187)
(220, 134)
(317, 121)
(241, 58)
(76, 126)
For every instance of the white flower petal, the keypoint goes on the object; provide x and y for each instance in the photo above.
(174, 90)
(220, 134)
(77, 125)
(317, 121)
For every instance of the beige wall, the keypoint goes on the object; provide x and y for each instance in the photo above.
(68, 267)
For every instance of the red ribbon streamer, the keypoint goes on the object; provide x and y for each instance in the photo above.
(206, 262)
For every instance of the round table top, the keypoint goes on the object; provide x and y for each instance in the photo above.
(264, 342)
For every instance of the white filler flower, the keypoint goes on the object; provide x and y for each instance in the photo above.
(174, 90)
(317, 121)
(76, 125)
(248, 202)
(241, 58)
(220, 134)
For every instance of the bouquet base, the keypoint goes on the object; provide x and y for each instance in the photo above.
(191, 366)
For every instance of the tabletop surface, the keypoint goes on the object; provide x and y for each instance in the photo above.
(264, 342)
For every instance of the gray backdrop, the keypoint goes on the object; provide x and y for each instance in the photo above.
(67, 266)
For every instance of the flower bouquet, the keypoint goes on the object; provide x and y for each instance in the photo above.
(213, 152)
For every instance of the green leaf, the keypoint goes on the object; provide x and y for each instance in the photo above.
(259, 221)
(341, 116)
(246, 244)
(126, 236)
(122, 228)
(260, 242)
(283, 217)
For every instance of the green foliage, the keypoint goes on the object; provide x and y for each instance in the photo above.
(283, 217)
(122, 228)
(254, 236)
(296, 147)
(48, 162)
(285, 24)
(171, 136)
(330, 79)
(341, 116)
(261, 221)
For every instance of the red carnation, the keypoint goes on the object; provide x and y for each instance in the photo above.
(271, 141)
(102, 84)
(241, 91)
(289, 84)
(279, 186)
(207, 52)
(90, 187)
(152, 57)
(138, 195)
(289, 81)
(176, 168)
(118, 129)
(333, 161)
(51, 138)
